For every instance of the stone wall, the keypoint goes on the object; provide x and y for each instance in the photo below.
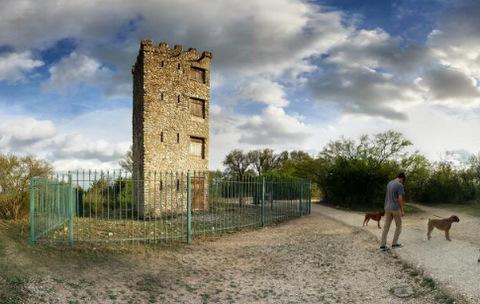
(166, 81)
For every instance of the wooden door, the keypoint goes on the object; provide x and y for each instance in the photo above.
(198, 193)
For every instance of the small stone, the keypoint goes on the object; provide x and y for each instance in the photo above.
(403, 291)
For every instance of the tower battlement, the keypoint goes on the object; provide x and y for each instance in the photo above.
(176, 51)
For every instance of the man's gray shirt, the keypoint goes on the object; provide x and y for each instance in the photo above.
(394, 189)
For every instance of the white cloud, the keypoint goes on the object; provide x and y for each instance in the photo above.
(21, 133)
(265, 91)
(273, 126)
(76, 69)
(455, 41)
(371, 74)
(450, 84)
(14, 66)
(97, 138)
(76, 146)
(246, 38)
(376, 80)
(376, 49)
(364, 91)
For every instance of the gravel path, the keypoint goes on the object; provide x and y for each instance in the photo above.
(314, 259)
(453, 264)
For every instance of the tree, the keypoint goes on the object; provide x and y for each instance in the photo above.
(126, 162)
(15, 175)
(299, 155)
(262, 160)
(390, 145)
(386, 146)
(354, 173)
(237, 164)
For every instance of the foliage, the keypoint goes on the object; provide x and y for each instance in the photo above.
(15, 175)
(262, 160)
(237, 164)
(353, 174)
(105, 196)
(447, 184)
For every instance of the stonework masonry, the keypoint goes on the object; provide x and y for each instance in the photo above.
(171, 95)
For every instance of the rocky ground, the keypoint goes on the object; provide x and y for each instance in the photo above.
(314, 259)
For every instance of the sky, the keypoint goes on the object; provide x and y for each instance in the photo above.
(286, 74)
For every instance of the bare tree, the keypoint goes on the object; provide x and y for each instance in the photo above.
(237, 164)
(262, 160)
(126, 162)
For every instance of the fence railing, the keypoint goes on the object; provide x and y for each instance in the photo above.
(157, 207)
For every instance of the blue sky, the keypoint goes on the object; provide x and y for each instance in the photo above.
(286, 74)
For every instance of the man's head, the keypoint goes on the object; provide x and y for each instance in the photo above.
(401, 177)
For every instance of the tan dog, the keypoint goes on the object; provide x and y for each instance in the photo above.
(374, 216)
(442, 224)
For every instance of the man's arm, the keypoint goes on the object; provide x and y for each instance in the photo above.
(400, 202)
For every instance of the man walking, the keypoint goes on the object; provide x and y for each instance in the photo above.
(393, 210)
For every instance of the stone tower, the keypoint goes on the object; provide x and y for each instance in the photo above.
(171, 94)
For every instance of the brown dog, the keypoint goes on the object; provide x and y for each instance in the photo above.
(374, 216)
(442, 224)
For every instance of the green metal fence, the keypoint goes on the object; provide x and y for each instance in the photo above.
(157, 207)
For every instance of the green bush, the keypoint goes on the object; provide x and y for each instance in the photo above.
(356, 183)
(446, 184)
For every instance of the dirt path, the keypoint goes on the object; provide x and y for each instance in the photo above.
(310, 260)
(454, 264)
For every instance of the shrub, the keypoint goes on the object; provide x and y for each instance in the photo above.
(446, 184)
(356, 183)
(15, 175)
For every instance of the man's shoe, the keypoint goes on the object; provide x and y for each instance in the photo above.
(384, 248)
(397, 246)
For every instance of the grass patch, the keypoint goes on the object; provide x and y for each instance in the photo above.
(428, 282)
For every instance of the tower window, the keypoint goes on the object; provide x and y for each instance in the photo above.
(198, 74)
(162, 64)
(179, 66)
(178, 138)
(162, 96)
(197, 107)
(161, 136)
(179, 99)
(197, 147)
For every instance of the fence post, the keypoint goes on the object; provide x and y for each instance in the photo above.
(70, 210)
(263, 201)
(32, 210)
(189, 209)
(301, 196)
(309, 197)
